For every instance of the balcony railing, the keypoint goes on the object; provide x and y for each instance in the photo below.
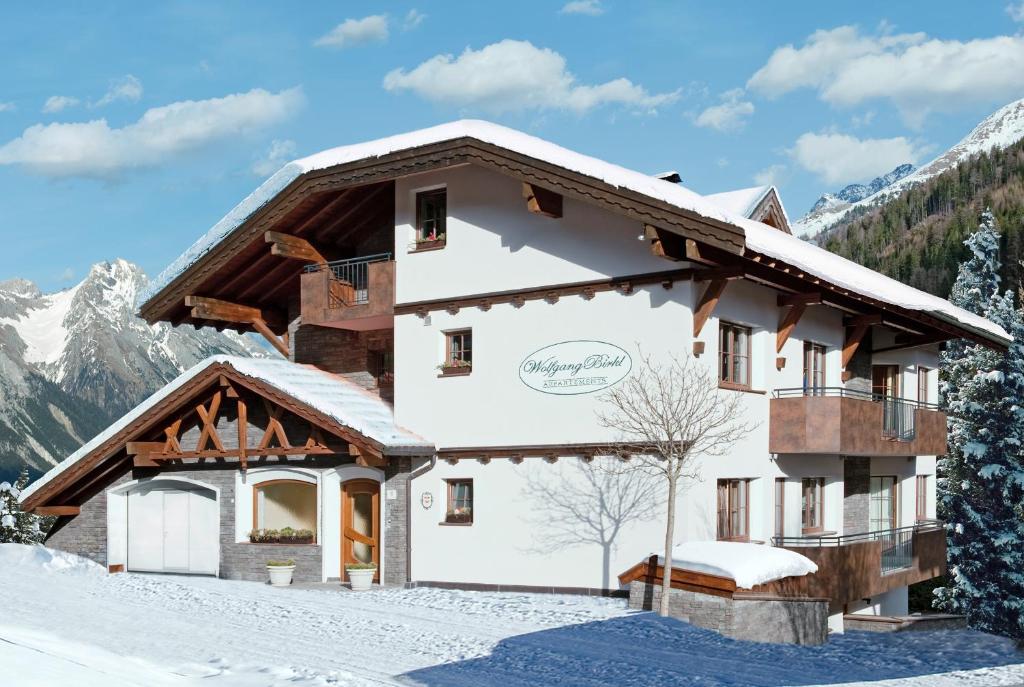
(897, 544)
(837, 419)
(350, 279)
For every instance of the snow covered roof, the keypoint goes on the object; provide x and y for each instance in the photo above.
(343, 401)
(742, 201)
(812, 260)
(747, 564)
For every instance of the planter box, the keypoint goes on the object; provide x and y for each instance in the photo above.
(459, 518)
(280, 575)
(361, 579)
(455, 370)
(281, 540)
(430, 245)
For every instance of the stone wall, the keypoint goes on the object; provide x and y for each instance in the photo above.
(395, 503)
(342, 351)
(755, 619)
(86, 533)
(860, 366)
(856, 494)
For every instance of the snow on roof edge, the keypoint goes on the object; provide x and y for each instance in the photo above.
(248, 367)
(745, 563)
(809, 257)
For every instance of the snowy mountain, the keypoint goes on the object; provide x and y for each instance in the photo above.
(72, 361)
(1000, 129)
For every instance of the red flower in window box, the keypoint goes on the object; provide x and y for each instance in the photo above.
(431, 240)
(456, 366)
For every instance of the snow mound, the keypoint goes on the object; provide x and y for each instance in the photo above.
(39, 559)
(748, 564)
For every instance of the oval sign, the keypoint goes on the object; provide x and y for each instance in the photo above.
(569, 368)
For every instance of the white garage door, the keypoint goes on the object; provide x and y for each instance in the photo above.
(172, 527)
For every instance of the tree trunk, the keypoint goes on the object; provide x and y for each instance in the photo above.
(670, 527)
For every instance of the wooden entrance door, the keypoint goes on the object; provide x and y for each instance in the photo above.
(360, 523)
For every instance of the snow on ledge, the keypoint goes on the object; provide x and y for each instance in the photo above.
(747, 564)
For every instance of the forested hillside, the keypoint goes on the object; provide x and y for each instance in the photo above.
(918, 236)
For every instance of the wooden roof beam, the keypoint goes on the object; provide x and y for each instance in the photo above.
(214, 309)
(706, 305)
(57, 510)
(719, 273)
(541, 201)
(293, 247)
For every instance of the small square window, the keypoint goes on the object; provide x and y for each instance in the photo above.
(460, 502)
(458, 353)
(431, 215)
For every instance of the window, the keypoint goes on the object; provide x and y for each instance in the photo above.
(922, 384)
(812, 510)
(285, 504)
(921, 499)
(431, 212)
(780, 507)
(733, 509)
(883, 503)
(460, 501)
(458, 353)
(734, 355)
(814, 367)
(381, 365)
(885, 381)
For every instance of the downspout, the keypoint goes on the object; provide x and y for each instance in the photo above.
(418, 472)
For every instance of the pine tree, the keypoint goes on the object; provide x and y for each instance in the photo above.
(17, 526)
(981, 477)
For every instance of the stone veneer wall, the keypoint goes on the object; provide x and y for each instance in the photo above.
(860, 366)
(86, 533)
(768, 619)
(856, 494)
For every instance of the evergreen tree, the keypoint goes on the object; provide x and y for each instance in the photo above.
(17, 526)
(981, 478)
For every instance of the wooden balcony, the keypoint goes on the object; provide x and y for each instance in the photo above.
(860, 566)
(354, 294)
(847, 422)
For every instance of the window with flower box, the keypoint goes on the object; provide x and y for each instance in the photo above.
(460, 502)
(431, 219)
(458, 352)
(284, 512)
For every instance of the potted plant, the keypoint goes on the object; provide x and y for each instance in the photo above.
(456, 366)
(459, 515)
(360, 575)
(281, 572)
(431, 240)
(286, 535)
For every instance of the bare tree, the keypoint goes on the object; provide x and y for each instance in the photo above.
(580, 502)
(665, 416)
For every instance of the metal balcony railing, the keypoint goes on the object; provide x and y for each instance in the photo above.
(897, 413)
(897, 544)
(350, 283)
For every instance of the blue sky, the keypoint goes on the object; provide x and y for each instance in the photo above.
(127, 130)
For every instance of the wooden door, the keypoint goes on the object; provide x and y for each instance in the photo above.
(360, 523)
(885, 381)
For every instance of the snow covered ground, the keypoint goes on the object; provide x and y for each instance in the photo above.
(66, 622)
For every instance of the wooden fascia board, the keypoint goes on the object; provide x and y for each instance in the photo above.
(438, 156)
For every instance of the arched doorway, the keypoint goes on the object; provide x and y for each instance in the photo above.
(360, 524)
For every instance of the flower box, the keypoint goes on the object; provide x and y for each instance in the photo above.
(459, 518)
(453, 370)
(430, 243)
(282, 536)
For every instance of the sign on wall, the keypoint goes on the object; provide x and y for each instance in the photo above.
(569, 368)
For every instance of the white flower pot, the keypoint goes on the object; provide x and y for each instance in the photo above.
(280, 575)
(361, 580)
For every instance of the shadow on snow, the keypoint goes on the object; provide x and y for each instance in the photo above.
(645, 649)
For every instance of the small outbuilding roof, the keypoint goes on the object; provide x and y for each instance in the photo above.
(747, 564)
(336, 400)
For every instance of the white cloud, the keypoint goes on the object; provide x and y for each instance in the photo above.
(57, 103)
(279, 153)
(67, 275)
(513, 76)
(7, 107)
(841, 158)
(353, 32)
(916, 73)
(127, 88)
(1016, 11)
(94, 149)
(771, 175)
(591, 8)
(730, 115)
(413, 19)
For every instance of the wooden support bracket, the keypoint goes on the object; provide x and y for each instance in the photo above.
(57, 510)
(223, 311)
(293, 247)
(707, 304)
(541, 201)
